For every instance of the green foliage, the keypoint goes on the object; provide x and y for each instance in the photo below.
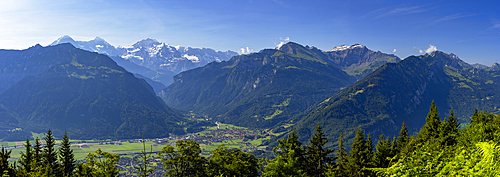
(317, 154)
(186, 161)
(66, 157)
(99, 163)
(290, 159)
(226, 162)
(361, 155)
(145, 165)
(27, 157)
(49, 157)
(5, 169)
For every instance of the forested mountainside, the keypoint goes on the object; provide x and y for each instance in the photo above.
(402, 92)
(258, 89)
(85, 93)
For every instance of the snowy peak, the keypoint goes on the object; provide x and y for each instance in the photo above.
(152, 54)
(149, 42)
(64, 39)
(344, 47)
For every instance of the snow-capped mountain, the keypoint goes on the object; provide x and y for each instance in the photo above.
(153, 54)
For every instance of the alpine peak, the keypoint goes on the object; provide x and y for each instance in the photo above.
(344, 47)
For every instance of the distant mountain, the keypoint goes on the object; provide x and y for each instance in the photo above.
(357, 60)
(82, 92)
(259, 89)
(152, 54)
(402, 92)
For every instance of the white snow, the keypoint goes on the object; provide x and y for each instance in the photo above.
(99, 46)
(193, 58)
(344, 47)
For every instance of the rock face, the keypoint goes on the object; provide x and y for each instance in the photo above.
(358, 60)
(259, 89)
(402, 92)
(82, 92)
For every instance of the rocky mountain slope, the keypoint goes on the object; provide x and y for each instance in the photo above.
(258, 89)
(402, 92)
(85, 93)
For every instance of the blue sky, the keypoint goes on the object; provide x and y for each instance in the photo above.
(470, 29)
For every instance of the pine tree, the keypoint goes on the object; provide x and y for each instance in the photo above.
(5, 169)
(341, 159)
(317, 155)
(384, 151)
(430, 131)
(360, 156)
(403, 137)
(49, 152)
(66, 156)
(449, 130)
(37, 152)
(145, 167)
(26, 157)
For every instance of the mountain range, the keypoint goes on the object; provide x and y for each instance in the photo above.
(152, 59)
(402, 92)
(85, 93)
(265, 88)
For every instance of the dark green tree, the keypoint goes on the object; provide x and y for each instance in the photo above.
(385, 151)
(449, 130)
(26, 158)
(360, 156)
(66, 156)
(290, 158)
(317, 154)
(5, 169)
(225, 162)
(186, 161)
(431, 128)
(49, 152)
(37, 152)
(403, 138)
(341, 159)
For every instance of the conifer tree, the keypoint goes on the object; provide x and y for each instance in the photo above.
(49, 152)
(317, 154)
(5, 169)
(449, 130)
(341, 159)
(26, 157)
(360, 156)
(37, 152)
(403, 137)
(384, 151)
(66, 156)
(430, 130)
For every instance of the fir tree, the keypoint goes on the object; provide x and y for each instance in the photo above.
(430, 130)
(341, 159)
(5, 169)
(66, 156)
(49, 152)
(449, 130)
(360, 155)
(37, 152)
(317, 154)
(385, 151)
(26, 157)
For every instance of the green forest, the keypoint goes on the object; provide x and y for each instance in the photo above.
(442, 147)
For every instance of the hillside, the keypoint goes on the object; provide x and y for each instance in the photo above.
(402, 92)
(88, 95)
(259, 89)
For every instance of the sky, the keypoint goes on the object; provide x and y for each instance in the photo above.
(469, 29)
